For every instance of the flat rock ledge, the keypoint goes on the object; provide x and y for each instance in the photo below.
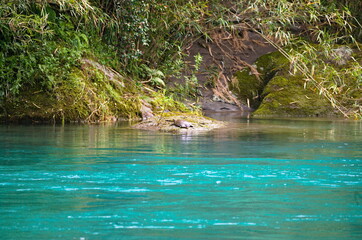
(165, 123)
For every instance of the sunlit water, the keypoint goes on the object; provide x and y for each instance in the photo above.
(258, 179)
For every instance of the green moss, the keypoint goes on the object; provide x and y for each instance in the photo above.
(277, 92)
(161, 102)
(271, 63)
(249, 87)
(33, 105)
(86, 94)
(287, 96)
(92, 96)
(91, 92)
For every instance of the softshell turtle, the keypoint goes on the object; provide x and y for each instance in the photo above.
(182, 123)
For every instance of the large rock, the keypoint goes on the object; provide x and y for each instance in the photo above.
(276, 92)
(287, 96)
(249, 84)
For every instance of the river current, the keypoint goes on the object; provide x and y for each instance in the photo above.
(256, 179)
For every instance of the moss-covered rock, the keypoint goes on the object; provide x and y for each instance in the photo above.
(287, 96)
(249, 83)
(247, 87)
(34, 105)
(275, 91)
(90, 93)
(269, 64)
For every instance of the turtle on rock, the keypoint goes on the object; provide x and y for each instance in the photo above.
(182, 123)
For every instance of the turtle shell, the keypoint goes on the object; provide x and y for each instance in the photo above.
(182, 123)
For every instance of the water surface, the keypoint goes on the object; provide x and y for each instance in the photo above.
(258, 179)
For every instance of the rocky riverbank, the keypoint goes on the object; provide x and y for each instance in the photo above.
(166, 123)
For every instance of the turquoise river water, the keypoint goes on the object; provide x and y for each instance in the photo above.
(257, 179)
